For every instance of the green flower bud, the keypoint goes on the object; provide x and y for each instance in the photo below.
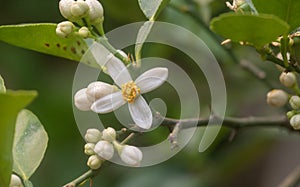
(94, 162)
(81, 101)
(109, 134)
(277, 98)
(295, 102)
(15, 181)
(290, 114)
(64, 29)
(96, 11)
(89, 149)
(93, 135)
(295, 121)
(288, 79)
(104, 149)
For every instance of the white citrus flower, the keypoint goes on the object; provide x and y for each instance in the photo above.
(277, 98)
(64, 29)
(98, 89)
(288, 79)
(96, 11)
(130, 91)
(92, 136)
(295, 122)
(81, 100)
(104, 149)
(109, 134)
(131, 155)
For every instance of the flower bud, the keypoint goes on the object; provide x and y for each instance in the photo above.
(94, 162)
(89, 149)
(109, 134)
(81, 101)
(288, 79)
(295, 121)
(290, 114)
(96, 11)
(104, 149)
(98, 89)
(295, 102)
(92, 135)
(131, 155)
(65, 10)
(15, 181)
(79, 9)
(84, 32)
(64, 29)
(277, 98)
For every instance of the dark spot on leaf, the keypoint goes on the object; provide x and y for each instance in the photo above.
(78, 43)
(82, 51)
(73, 50)
(47, 45)
(65, 48)
(88, 62)
(58, 45)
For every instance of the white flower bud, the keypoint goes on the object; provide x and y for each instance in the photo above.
(288, 79)
(277, 98)
(15, 181)
(79, 9)
(84, 32)
(109, 134)
(94, 162)
(81, 101)
(93, 135)
(295, 121)
(64, 29)
(89, 149)
(96, 11)
(295, 102)
(131, 155)
(98, 89)
(65, 9)
(104, 149)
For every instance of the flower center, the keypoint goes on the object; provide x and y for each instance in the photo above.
(130, 91)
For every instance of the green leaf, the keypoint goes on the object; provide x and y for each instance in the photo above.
(42, 38)
(152, 8)
(141, 38)
(287, 10)
(30, 144)
(2, 86)
(257, 30)
(11, 103)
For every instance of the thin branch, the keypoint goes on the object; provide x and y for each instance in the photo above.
(82, 178)
(293, 179)
(231, 122)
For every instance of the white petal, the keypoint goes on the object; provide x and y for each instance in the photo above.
(117, 70)
(152, 79)
(141, 113)
(108, 103)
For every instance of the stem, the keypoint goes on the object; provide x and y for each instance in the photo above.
(231, 122)
(131, 135)
(293, 179)
(87, 175)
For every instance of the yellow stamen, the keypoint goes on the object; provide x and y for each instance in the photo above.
(130, 91)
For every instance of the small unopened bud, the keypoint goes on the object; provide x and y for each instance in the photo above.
(290, 114)
(96, 11)
(109, 134)
(84, 32)
(288, 79)
(104, 149)
(81, 101)
(98, 89)
(65, 9)
(64, 29)
(92, 135)
(94, 162)
(131, 155)
(79, 9)
(277, 98)
(89, 149)
(295, 121)
(15, 181)
(295, 102)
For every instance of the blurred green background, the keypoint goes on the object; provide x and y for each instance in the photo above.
(254, 157)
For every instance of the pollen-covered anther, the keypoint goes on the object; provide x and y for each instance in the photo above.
(130, 91)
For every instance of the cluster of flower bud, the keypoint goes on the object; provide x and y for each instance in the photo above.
(101, 146)
(15, 181)
(84, 98)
